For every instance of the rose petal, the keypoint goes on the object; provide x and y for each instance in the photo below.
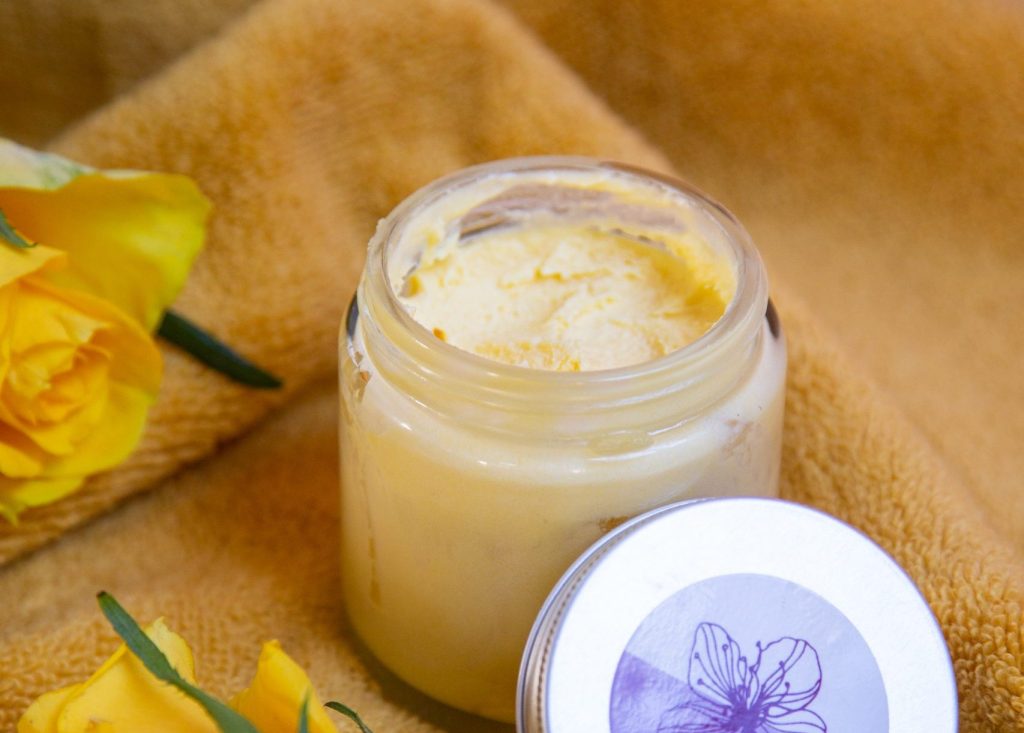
(19, 456)
(136, 360)
(127, 697)
(23, 167)
(131, 236)
(117, 433)
(17, 495)
(273, 701)
(135, 363)
(17, 263)
(42, 715)
(122, 695)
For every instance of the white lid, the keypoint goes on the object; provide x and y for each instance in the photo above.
(736, 616)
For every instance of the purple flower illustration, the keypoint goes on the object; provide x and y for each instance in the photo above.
(731, 696)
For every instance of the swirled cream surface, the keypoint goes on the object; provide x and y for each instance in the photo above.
(539, 276)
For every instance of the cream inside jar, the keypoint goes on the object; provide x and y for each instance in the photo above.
(578, 276)
(539, 350)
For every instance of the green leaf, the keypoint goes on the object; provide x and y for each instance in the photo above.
(304, 715)
(154, 660)
(349, 713)
(8, 235)
(204, 347)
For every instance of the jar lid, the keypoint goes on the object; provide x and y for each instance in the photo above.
(736, 615)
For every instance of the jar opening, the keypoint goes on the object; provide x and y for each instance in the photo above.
(517, 193)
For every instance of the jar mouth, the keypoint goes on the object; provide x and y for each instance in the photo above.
(738, 323)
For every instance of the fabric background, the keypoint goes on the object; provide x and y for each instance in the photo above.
(873, 149)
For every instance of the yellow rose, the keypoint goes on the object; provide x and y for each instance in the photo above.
(78, 366)
(273, 701)
(123, 697)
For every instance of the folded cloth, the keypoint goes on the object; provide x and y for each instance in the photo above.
(874, 151)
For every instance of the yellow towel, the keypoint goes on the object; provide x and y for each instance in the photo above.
(874, 149)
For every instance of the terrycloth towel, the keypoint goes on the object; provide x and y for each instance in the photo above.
(874, 149)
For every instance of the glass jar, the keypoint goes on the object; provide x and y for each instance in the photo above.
(469, 485)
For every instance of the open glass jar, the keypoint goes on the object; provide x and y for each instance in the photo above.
(470, 485)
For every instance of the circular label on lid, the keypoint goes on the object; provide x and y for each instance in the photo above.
(747, 653)
(736, 616)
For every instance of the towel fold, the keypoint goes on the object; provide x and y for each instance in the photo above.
(874, 152)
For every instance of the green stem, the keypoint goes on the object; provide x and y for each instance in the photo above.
(349, 713)
(205, 348)
(10, 236)
(154, 660)
(304, 715)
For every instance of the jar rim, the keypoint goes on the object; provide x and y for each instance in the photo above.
(739, 322)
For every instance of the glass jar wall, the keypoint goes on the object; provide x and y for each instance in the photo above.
(470, 485)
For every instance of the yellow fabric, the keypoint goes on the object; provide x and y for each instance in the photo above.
(874, 149)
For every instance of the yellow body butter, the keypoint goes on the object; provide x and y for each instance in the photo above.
(569, 297)
(540, 350)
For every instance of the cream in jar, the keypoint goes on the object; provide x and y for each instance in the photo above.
(567, 292)
(542, 349)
